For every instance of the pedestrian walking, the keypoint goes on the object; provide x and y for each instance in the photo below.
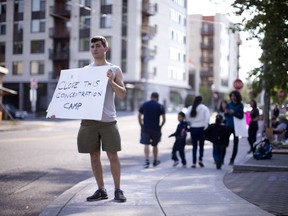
(93, 134)
(198, 117)
(149, 116)
(253, 125)
(234, 109)
(217, 133)
(180, 140)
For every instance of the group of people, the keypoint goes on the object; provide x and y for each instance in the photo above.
(96, 135)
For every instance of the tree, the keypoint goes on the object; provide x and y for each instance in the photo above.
(267, 20)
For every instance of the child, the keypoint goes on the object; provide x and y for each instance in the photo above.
(217, 134)
(180, 142)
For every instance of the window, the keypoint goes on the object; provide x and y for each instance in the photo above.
(82, 63)
(2, 29)
(86, 3)
(3, 8)
(38, 26)
(106, 21)
(17, 47)
(106, 2)
(38, 5)
(85, 22)
(36, 67)
(18, 27)
(19, 6)
(17, 68)
(37, 46)
(84, 44)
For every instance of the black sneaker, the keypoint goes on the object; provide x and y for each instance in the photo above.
(119, 196)
(156, 163)
(100, 194)
(147, 163)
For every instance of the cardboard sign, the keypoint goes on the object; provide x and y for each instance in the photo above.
(80, 93)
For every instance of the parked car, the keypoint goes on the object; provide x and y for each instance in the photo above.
(20, 114)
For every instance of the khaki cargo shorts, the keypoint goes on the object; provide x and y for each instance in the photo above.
(94, 134)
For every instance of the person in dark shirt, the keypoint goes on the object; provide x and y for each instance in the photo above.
(217, 133)
(253, 125)
(149, 119)
(180, 141)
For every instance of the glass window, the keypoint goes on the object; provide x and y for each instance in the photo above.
(106, 21)
(106, 2)
(36, 67)
(3, 8)
(84, 44)
(38, 5)
(18, 27)
(38, 26)
(17, 68)
(19, 6)
(83, 62)
(86, 3)
(37, 46)
(17, 47)
(2, 29)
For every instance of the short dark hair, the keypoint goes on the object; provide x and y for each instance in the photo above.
(102, 39)
(182, 114)
(155, 95)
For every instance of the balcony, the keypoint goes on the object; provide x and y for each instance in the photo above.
(149, 9)
(209, 46)
(207, 32)
(148, 30)
(206, 73)
(60, 12)
(58, 55)
(84, 33)
(208, 60)
(58, 34)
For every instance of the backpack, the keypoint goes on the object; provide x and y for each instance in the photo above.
(262, 149)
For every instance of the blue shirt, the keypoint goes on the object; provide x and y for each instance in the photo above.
(238, 113)
(152, 110)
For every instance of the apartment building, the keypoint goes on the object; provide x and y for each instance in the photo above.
(147, 39)
(214, 53)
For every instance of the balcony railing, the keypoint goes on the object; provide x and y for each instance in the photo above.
(206, 59)
(148, 30)
(206, 73)
(60, 11)
(209, 31)
(64, 33)
(58, 55)
(207, 46)
(149, 9)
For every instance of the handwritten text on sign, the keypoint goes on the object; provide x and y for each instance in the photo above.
(80, 93)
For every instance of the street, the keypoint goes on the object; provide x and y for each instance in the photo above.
(41, 162)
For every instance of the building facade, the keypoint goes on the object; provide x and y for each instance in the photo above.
(147, 39)
(214, 53)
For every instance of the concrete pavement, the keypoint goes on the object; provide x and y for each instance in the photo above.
(162, 190)
(251, 187)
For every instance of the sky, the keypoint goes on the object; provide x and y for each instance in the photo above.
(249, 50)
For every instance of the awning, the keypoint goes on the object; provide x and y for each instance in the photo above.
(7, 90)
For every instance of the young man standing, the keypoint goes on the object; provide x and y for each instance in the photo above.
(150, 127)
(92, 134)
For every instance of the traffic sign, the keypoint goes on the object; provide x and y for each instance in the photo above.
(238, 84)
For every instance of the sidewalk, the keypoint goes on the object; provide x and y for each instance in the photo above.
(162, 190)
(167, 190)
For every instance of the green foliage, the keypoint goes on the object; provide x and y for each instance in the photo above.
(267, 20)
